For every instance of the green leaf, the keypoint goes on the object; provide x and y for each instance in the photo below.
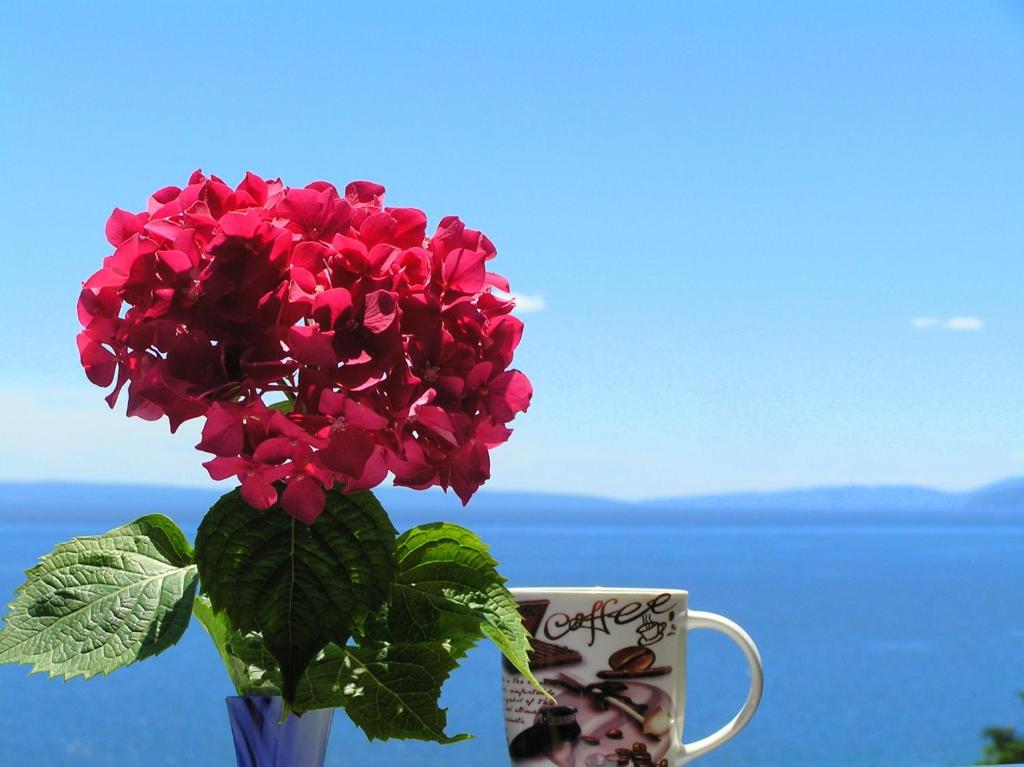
(262, 675)
(448, 589)
(301, 586)
(97, 603)
(250, 665)
(389, 691)
(246, 680)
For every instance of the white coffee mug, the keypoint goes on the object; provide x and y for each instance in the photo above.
(615, 662)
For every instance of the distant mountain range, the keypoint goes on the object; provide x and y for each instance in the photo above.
(56, 501)
(841, 498)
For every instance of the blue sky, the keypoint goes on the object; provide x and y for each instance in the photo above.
(774, 244)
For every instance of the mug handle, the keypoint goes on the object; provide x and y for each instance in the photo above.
(701, 620)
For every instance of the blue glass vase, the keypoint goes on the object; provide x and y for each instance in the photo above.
(262, 740)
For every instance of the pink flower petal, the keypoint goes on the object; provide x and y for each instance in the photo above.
(495, 280)
(258, 492)
(410, 226)
(177, 263)
(362, 416)
(471, 467)
(437, 421)
(331, 402)
(330, 305)
(464, 270)
(309, 346)
(274, 450)
(374, 472)
(347, 451)
(224, 467)
(508, 394)
(121, 225)
(364, 193)
(303, 498)
(100, 364)
(222, 433)
(381, 311)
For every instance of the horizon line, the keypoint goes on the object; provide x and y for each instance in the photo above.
(213, 487)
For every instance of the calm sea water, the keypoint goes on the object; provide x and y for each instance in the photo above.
(885, 644)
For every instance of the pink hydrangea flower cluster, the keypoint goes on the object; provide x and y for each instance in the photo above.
(325, 338)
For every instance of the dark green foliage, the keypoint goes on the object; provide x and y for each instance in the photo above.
(301, 586)
(1004, 746)
(337, 614)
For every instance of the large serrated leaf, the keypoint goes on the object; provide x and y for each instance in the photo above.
(262, 675)
(97, 603)
(448, 589)
(388, 691)
(301, 586)
(219, 631)
(251, 667)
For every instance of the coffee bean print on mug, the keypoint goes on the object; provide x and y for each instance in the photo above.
(614, 662)
(608, 664)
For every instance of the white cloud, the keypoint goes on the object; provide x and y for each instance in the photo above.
(957, 323)
(964, 323)
(525, 304)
